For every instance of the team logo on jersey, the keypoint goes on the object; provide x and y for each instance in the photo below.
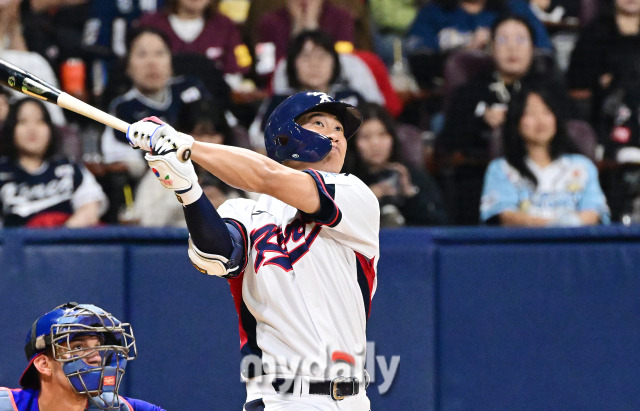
(274, 247)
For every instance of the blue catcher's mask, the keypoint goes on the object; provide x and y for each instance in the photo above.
(285, 139)
(98, 379)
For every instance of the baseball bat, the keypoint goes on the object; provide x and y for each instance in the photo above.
(32, 85)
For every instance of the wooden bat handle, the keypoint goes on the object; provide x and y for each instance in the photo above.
(76, 105)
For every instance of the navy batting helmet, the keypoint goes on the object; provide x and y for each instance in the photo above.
(56, 330)
(286, 140)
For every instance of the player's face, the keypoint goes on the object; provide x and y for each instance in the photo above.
(538, 123)
(374, 142)
(149, 63)
(78, 347)
(327, 125)
(512, 49)
(32, 134)
(314, 67)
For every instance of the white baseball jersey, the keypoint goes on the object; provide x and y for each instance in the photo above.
(304, 296)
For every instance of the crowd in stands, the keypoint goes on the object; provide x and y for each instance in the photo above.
(505, 112)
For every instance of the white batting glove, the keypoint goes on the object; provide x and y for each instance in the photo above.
(139, 133)
(176, 175)
(153, 135)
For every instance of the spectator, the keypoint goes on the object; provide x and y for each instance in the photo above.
(445, 25)
(279, 26)
(74, 351)
(541, 181)
(407, 195)
(55, 28)
(13, 48)
(37, 187)
(204, 122)
(154, 93)
(312, 64)
(391, 20)
(605, 68)
(105, 33)
(477, 110)
(198, 27)
(10, 26)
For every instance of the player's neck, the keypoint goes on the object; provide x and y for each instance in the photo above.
(55, 398)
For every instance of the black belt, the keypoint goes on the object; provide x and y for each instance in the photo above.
(338, 388)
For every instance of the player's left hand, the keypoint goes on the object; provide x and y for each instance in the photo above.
(176, 175)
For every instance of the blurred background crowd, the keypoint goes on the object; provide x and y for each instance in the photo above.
(502, 112)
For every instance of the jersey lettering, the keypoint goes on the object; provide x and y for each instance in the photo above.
(273, 247)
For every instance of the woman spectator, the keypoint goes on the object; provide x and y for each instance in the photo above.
(37, 187)
(540, 181)
(196, 26)
(476, 110)
(312, 64)
(155, 92)
(278, 27)
(407, 195)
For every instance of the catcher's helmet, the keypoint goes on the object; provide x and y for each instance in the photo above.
(56, 330)
(286, 140)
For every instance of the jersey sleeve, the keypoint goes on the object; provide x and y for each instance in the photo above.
(498, 192)
(349, 209)
(88, 191)
(139, 405)
(237, 213)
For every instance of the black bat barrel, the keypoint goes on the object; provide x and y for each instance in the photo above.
(25, 82)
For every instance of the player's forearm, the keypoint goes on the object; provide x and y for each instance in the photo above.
(238, 167)
(251, 171)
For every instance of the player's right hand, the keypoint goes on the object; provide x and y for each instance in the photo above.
(176, 175)
(153, 135)
(140, 133)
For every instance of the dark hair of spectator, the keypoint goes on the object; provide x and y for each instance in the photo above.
(205, 116)
(515, 149)
(371, 111)
(133, 35)
(318, 38)
(497, 5)
(172, 7)
(8, 146)
(512, 17)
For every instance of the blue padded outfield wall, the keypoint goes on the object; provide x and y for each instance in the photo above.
(469, 318)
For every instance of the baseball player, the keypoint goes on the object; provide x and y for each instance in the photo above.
(301, 259)
(77, 356)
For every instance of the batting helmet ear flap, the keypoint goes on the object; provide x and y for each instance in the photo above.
(282, 140)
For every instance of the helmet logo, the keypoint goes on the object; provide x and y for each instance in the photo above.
(109, 380)
(324, 97)
(294, 155)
